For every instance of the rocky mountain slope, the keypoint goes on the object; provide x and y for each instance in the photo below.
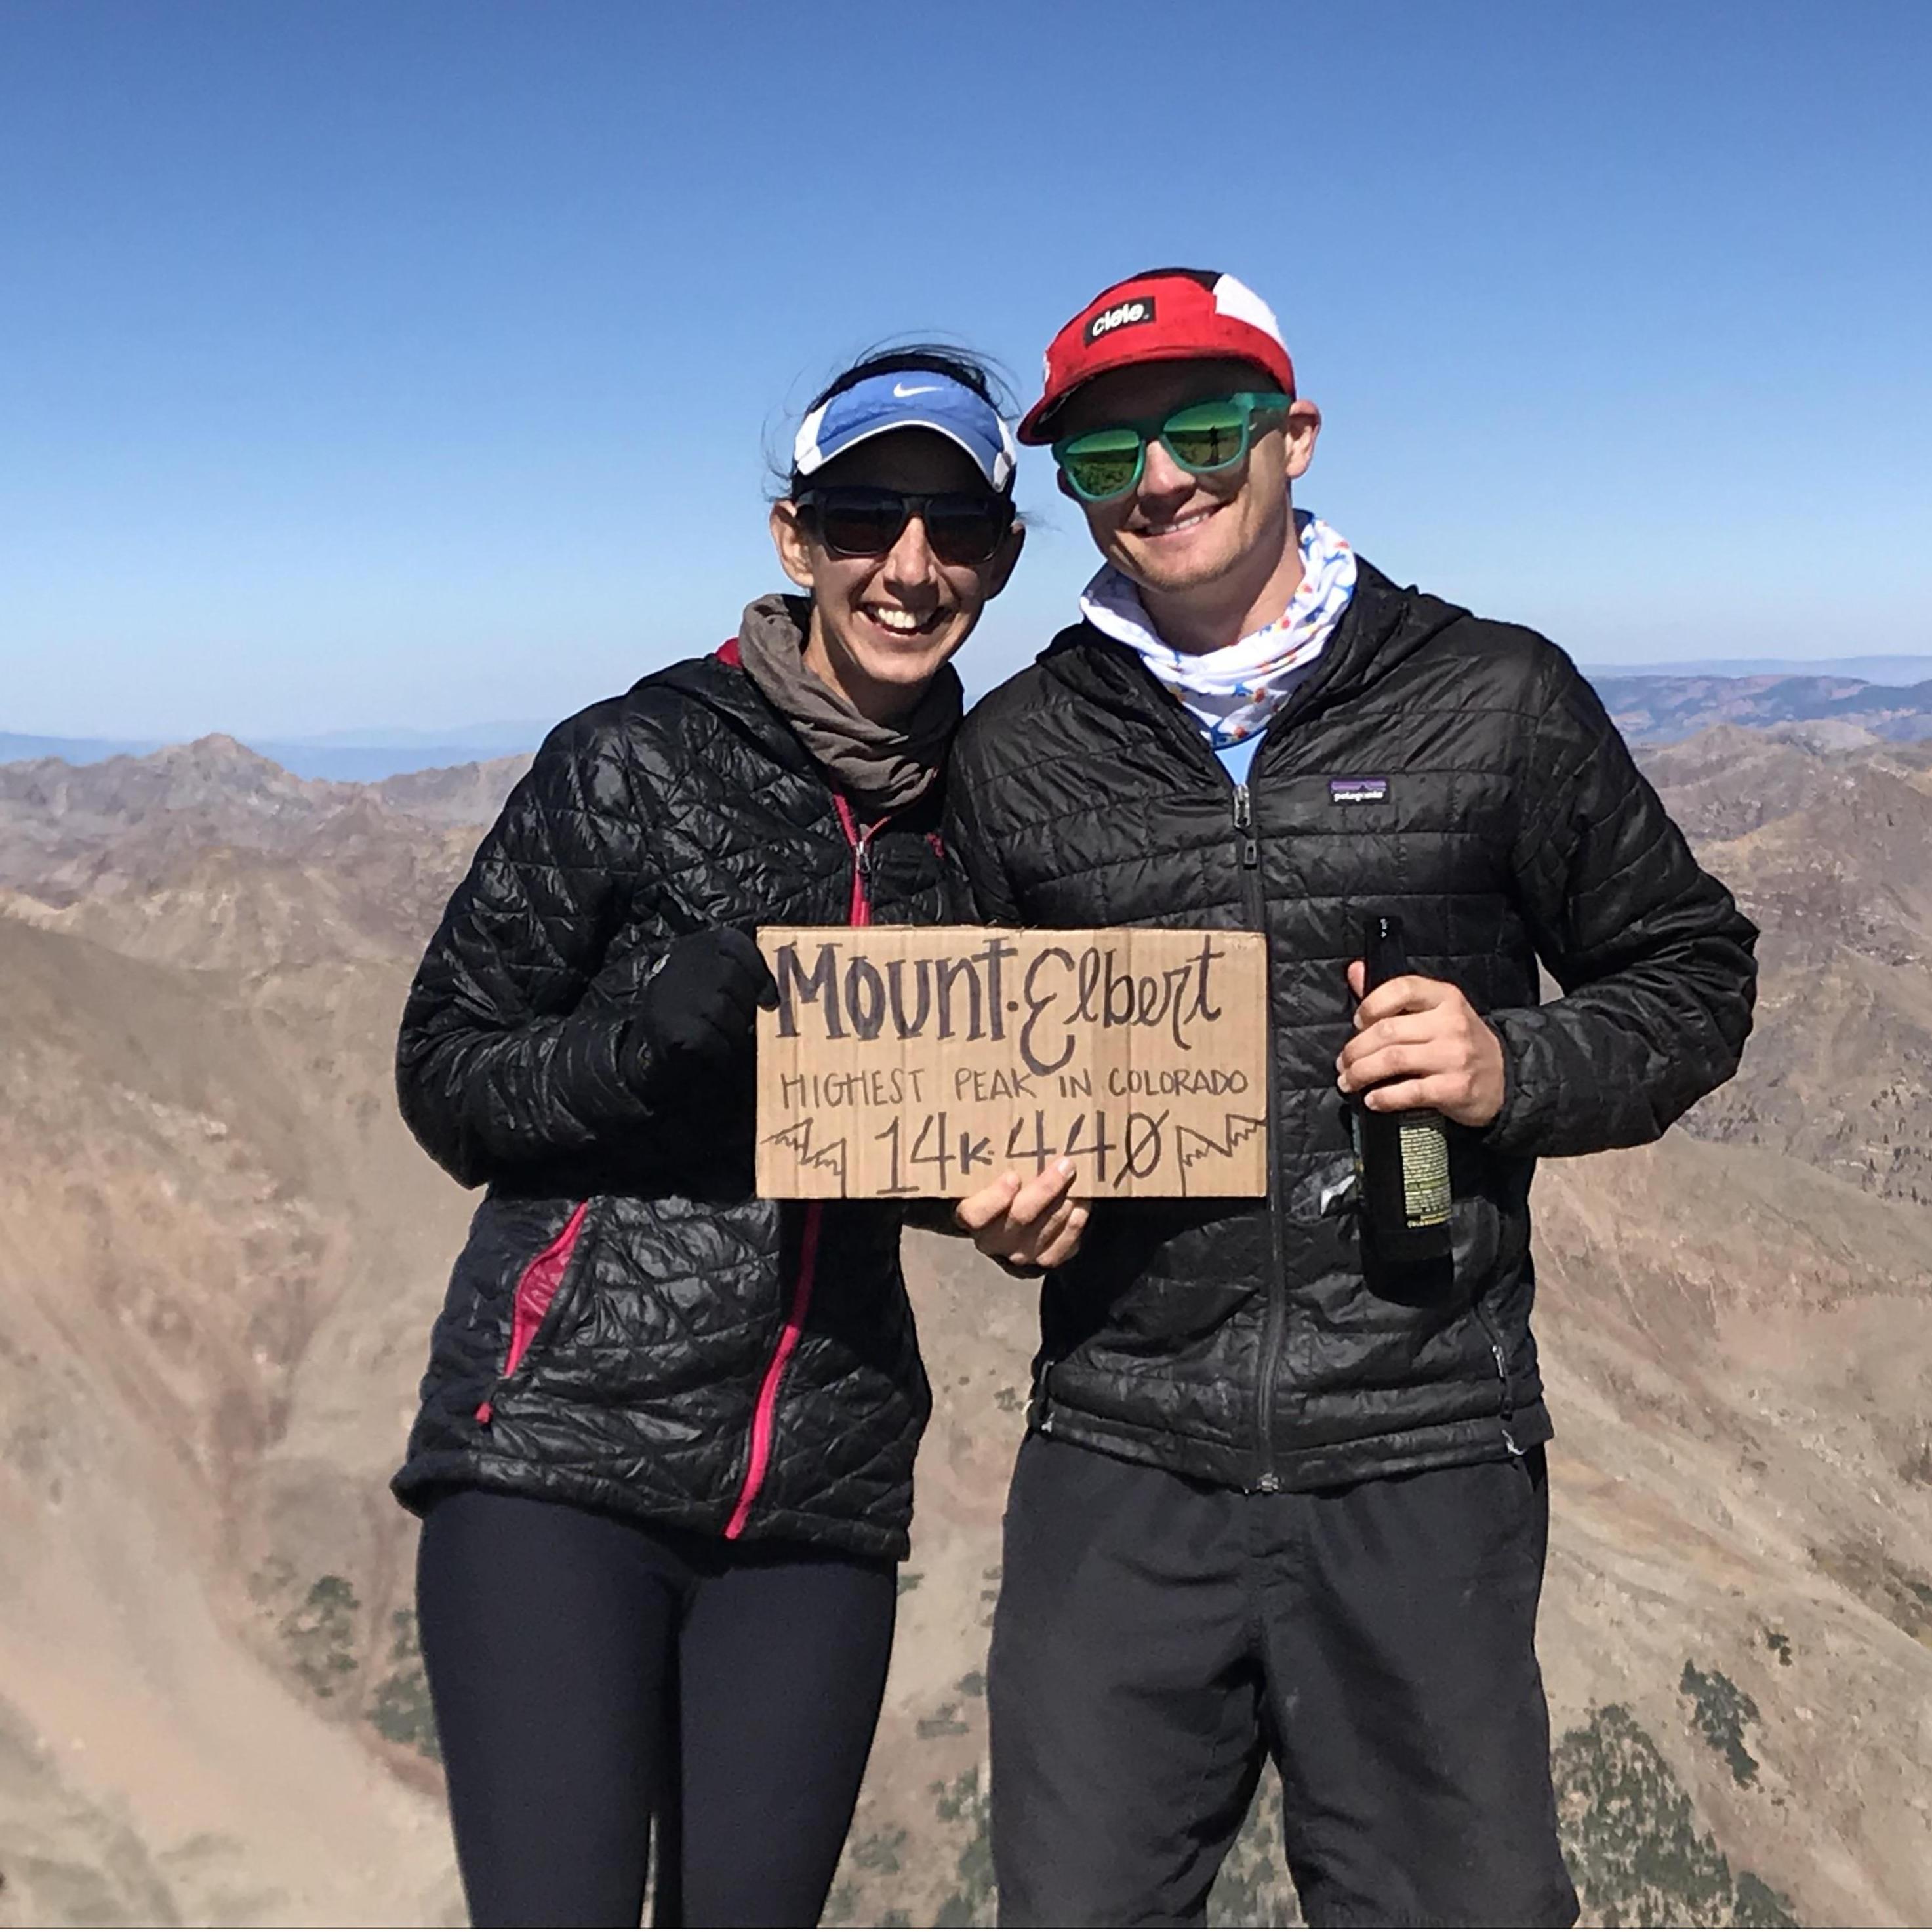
(219, 1253)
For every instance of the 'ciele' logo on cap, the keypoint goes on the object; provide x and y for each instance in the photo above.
(1122, 315)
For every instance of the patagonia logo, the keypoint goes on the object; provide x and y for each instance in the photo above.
(1357, 791)
(1122, 315)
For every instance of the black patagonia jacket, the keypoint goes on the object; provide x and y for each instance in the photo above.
(1461, 774)
(629, 1326)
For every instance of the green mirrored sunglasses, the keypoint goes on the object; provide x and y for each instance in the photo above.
(1201, 438)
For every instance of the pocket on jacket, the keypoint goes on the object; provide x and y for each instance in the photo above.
(533, 1298)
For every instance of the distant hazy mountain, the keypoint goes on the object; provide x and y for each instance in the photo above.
(1838, 711)
(1856, 698)
(1867, 670)
(15, 746)
(1654, 703)
(354, 757)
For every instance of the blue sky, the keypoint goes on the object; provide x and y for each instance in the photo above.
(415, 363)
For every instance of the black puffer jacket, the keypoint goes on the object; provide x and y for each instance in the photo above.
(629, 1326)
(1240, 1341)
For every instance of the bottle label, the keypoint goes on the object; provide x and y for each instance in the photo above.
(1425, 1172)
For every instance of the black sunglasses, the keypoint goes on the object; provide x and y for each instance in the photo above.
(853, 520)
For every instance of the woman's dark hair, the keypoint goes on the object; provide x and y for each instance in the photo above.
(984, 378)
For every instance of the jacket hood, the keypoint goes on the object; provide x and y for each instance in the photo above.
(729, 690)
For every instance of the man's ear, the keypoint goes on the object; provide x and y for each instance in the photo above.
(1067, 489)
(788, 539)
(1303, 426)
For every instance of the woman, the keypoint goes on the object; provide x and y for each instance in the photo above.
(664, 1453)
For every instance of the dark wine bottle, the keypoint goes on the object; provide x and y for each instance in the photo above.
(1401, 1160)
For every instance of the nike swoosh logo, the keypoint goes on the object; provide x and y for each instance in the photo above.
(900, 390)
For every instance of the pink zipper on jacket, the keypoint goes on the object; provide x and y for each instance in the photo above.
(860, 838)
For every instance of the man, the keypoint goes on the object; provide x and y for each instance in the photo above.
(1270, 1500)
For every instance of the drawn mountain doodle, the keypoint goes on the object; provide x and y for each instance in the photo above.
(798, 1139)
(1191, 1145)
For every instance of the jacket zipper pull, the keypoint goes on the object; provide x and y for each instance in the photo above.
(1502, 1375)
(1244, 824)
(860, 912)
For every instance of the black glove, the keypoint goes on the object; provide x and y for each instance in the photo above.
(699, 1006)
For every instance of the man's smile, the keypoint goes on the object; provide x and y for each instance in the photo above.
(1193, 519)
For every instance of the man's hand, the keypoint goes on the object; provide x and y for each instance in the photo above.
(1433, 1047)
(1026, 1226)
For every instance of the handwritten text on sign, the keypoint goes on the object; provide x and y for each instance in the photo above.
(906, 1060)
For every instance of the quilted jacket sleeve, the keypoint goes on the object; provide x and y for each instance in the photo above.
(496, 1067)
(1653, 956)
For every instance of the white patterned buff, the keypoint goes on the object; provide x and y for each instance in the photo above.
(1233, 692)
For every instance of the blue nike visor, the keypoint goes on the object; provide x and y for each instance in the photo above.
(908, 399)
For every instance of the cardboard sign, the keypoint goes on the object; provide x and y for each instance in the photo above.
(906, 1060)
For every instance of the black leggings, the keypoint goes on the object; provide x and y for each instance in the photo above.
(588, 1673)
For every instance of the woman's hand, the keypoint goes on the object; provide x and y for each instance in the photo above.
(1027, 1226)
(699, 1006)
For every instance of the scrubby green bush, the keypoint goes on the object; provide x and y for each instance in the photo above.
(1631, 1839)
(320, 1634)
(400, 1706)
(1720, 1711)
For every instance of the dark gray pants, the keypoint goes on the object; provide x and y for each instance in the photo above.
(1155, 1635)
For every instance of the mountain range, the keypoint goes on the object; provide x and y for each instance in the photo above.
(1830, 711)
(355, 757)
(219, 1254)
(1887, 696)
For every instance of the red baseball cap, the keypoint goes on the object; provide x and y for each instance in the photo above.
(1163, 315)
